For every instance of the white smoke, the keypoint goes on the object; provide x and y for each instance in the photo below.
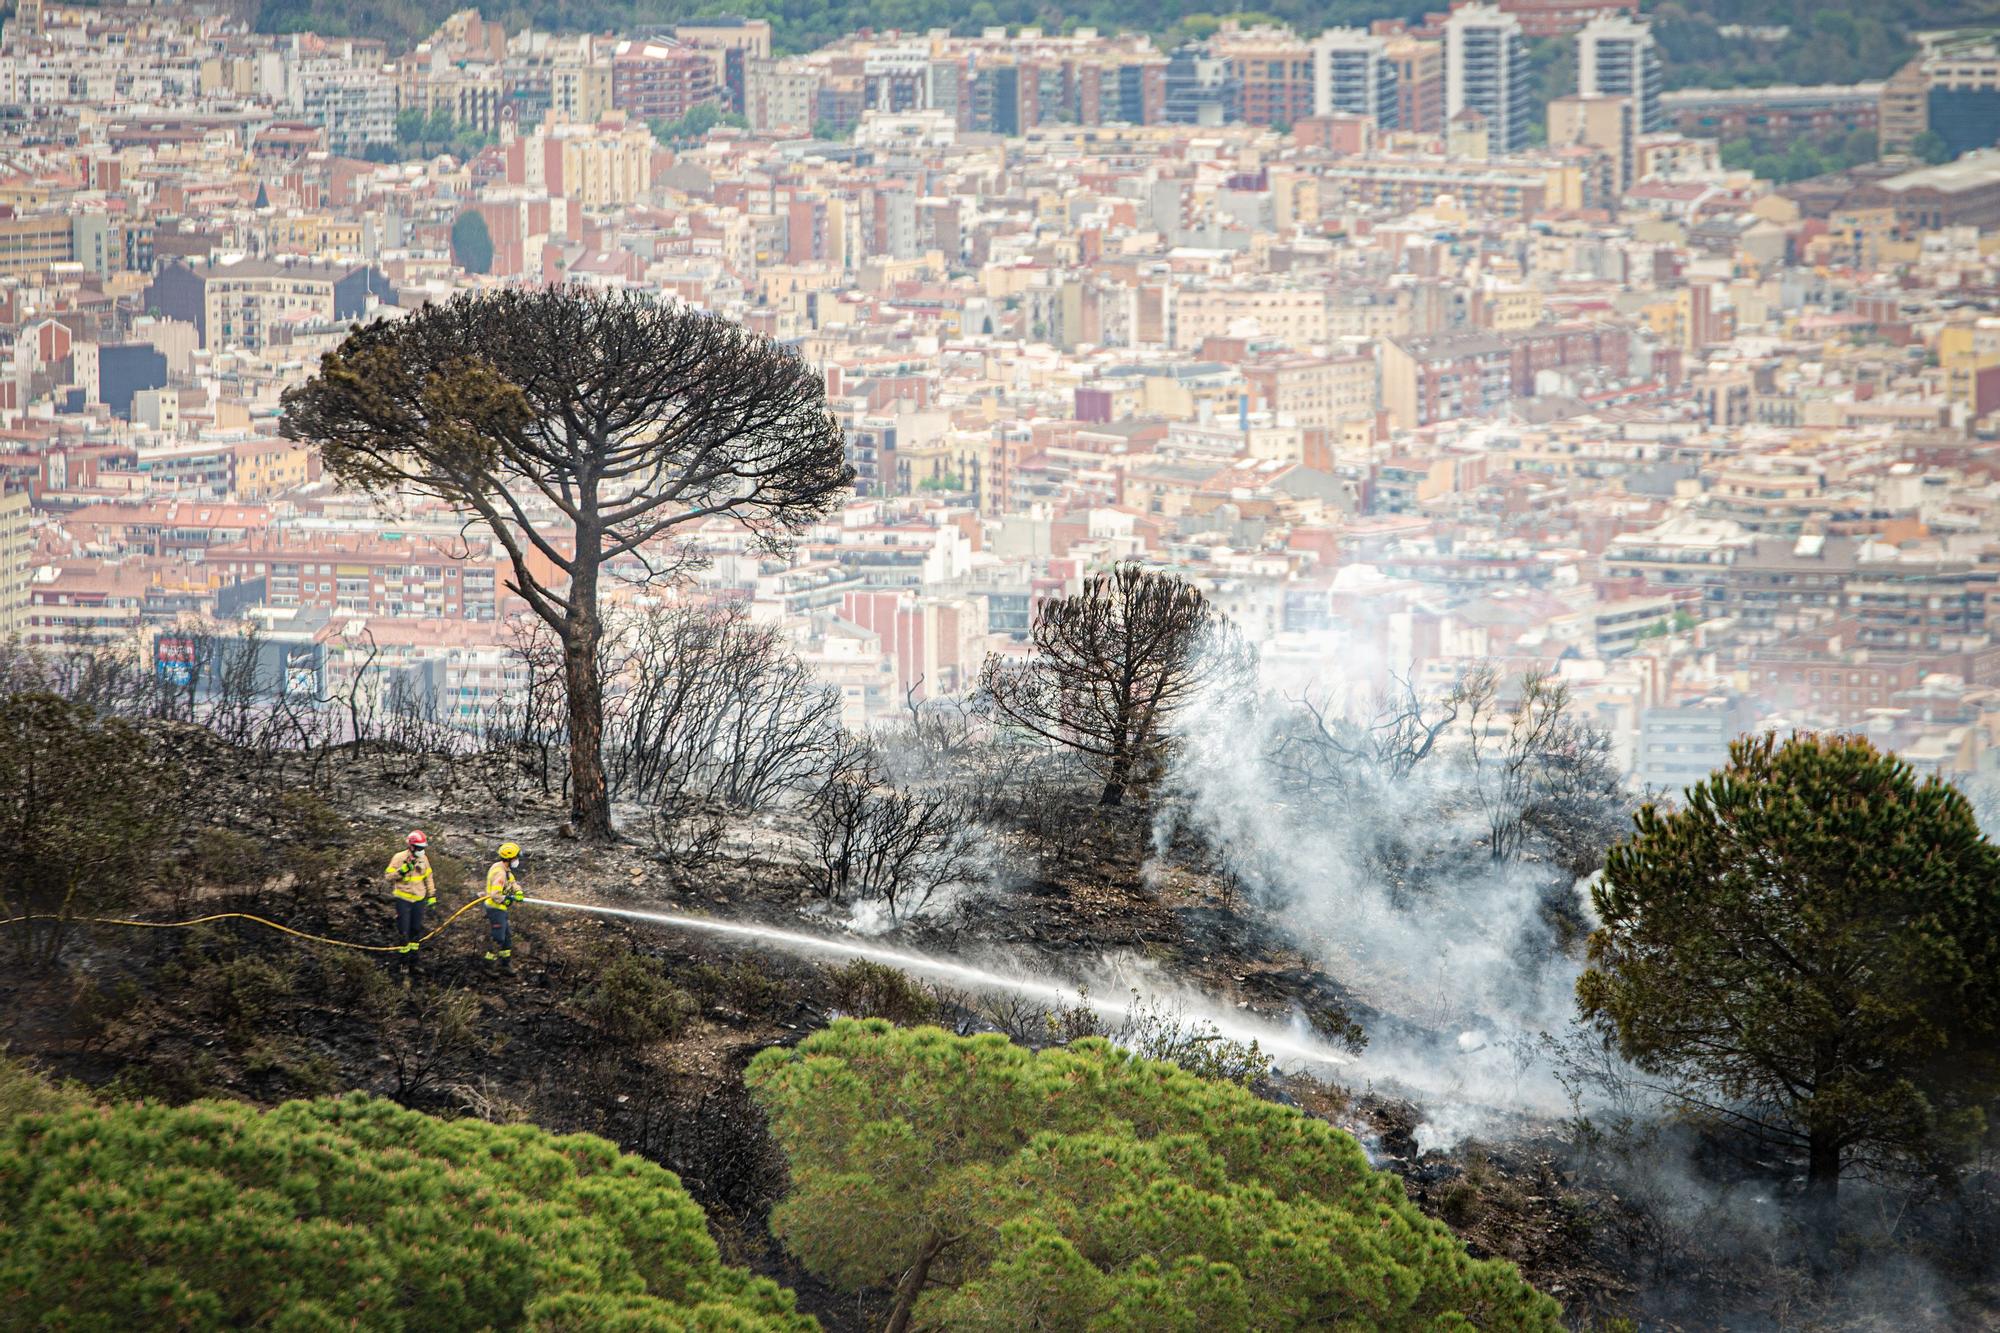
(1455, 960)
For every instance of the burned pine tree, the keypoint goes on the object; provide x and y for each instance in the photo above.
(1112, 665)
(581, 429)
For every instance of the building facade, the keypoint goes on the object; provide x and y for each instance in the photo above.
(1486, 70)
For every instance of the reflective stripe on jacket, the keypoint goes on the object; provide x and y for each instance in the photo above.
(501, 890)
(410, 871)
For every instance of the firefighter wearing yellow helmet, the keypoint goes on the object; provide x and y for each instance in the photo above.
(502, 892)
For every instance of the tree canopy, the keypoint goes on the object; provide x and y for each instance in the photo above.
(1810, 947)
(1113, 663)
(352, 1214)
(585, 430)
(997, 1187)
(472, 243)
(695, 123)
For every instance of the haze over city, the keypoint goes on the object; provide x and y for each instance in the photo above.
(907, 540)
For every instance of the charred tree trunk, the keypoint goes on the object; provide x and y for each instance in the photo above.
(582, 631)
(1118, 773)
(1822, 1200)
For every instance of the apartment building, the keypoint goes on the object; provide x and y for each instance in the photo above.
(1294, 316)
(1204, 89)
(358, 574)
(1776, 115)
(17, 562)
(28, 245)
(662, 79)
(579, 92)
(1420, 90)
(1486, 70)
(87, 603)
(1617, 57)
(1516, 192)
(1273, 73)
(1316, 392)
(1428, 380)
(599, 164)
(356, 108)
(739, 41)
(1607, 124)
(238, 305)
(1354, 75)
(1959, 87)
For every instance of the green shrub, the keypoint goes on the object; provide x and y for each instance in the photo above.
(307, 820)
(98, 1011)
(1156, 1031)
(24, 1092)
(874, 990)
(351, 1214)
(745, 987)
(1084, 1188)
(85, 804)
(242, 993)
(227, 859)
(633, 1002)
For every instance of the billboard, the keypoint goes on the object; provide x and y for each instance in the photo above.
(176, 659)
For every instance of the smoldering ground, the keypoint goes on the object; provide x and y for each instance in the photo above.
(1377, 830)
(1382, 871)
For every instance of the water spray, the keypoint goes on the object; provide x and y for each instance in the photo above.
(1271, 1038)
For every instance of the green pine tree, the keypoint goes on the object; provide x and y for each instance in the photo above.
(1810, 945)
(352, 1214)
(472, 243)
(997, 1188)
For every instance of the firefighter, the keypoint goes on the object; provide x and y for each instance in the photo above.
(502, 892)
(410, 881)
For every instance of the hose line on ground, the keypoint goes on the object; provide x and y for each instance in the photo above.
(242, 916)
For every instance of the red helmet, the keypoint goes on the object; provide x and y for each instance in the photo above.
(417, 840)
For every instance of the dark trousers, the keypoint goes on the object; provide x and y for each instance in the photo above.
(409, 921)
(500, 921)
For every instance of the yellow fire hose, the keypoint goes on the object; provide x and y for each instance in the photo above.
(245, 916)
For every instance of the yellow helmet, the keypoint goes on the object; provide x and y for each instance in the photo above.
(510, 851)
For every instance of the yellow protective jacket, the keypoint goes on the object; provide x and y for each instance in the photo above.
(410, 876)
(502, 892)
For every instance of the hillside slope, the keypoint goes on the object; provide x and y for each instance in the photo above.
(1864, 39)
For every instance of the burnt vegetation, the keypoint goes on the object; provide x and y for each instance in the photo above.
(958, 828)
(1113, 664)
(587, 432)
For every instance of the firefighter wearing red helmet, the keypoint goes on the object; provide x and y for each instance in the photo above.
(411, 886)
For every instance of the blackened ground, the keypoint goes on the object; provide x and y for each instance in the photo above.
(240, 1011)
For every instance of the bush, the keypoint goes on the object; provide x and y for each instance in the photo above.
(240, 993)
(874, 990)
(307, 820)
(1083, 1188)
(1150, 1029)
(745, 987)
(351, 1213)
(633, 1002)
(84, 807)
(227, 859)
(24, 1092)
(871, 842)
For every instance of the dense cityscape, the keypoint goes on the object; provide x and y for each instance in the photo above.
(1374, 348)
(1041, 668)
